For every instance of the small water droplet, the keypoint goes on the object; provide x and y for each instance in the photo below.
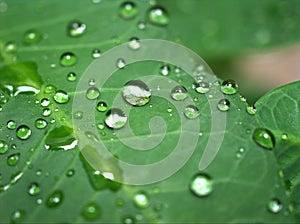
(128, 220)
(158, 16)
(70, 173)
(284, 137)
(201, 87)
(78, 115)
(96, 53)
(264, 138)
(179, 93)
(229, 87)
(115, 118)
(92, 82)
(92, 93)
(40, 123)
(223, 105)
(76, 28)
(136, 93)
(141, 200)
(274, 206)
(191, 112)
(11, 125)
(121, 63)
(101, 106)
(61, 97)
(71, 77)
(243, 99)
(101, 126)
(165, 70)
(68, 59)
(240, 152)
(32, 37)
(38, 172)
(55, 199)
(3, 147)
(128, 10)
(46, 112)
(13, 159)
(39, 201)
(34, 189)
(3, 97)
(251, 110)
(23, 132)
(91, 211)
(201, 185)
(49, 89)
(141, 25)
(10, 47)
(17, 216)
(45, 102)
(134, 43)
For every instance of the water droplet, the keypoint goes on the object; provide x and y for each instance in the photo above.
(101, 126)
(78, 115)
(191, 112)
(23, 132)
(134, 43)
(68, 59)
(70, 173)
(165, 70)
(55, 199)
(274, 206)
(45, 102)
(224, 105)
(136, 93)
(3, 97)
(11, 125)
(13, 159)
(61, 138)
(102, 106)
(128, 220)
(39, 201)
(61, 97)
(201, 185)
(128, 10)
(34, 189)
(38, 172)
(115, 118)
(179, 93)
(3, 147)
(264, 138)
(17, 216)
(229, 87)
(141, 200)
(32, 37)
(243, 99)
(92, 93)
(10, 47)
(71, 77)
(46, 112)
(92, 82)
(76, 28)
(251, 110)
(91, 211)
(121, 63)
(40, 123)
(158, 16)
(201, 87)
(284, 137)
(141, 25)
(240, 152)
(49, 89)
(96, 53)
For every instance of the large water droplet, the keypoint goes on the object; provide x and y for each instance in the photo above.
(224, 105)
(40, 123)
(91, 211)
(141, 200)
(61, 138)
(34, 189)
(61, 97)
(101, 106)
(274, 206)
(68, 59)
(179, 93)
(158, 16)
(32, 37)
(76, 28)
(191, 112)
(264, 138)
(23, 132)
(202, 87)
(128, 10)
(71, 77)
(201, 185)
(229, 87)
(55, 199)
(136, 93)
(92, 93)
(115, 118)
(11, 125)
(3, 147)
(13, 159)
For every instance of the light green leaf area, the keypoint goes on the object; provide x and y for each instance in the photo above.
(245, 176)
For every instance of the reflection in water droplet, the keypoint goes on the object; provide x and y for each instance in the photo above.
(202, 87)
(121, 63)
(61, 97)
(115, 118)
(13, 159)
(251, 110)
(191, 112)
(179, 93)
(229, 87)
(134, 43)
(224, 105)
(40, 123)
(71, 77)
(201, 185)
(34, 189)
(68, 59)
(165, 70)
(101, 106)
(76, 28)
(136, 93)
(274, 206)
(264, 138)
(11, 125)
(32, 37)
(3, 147)
(91, 211)
(96, 53)
(55, 199)
(128, 10)
(141, 200)
(158, 16)
(23, 132)
(92, 93)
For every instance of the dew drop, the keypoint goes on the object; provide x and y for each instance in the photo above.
(46, 112)
(10, 47)
(11, 125)
(23, 132)
(17, 216)
(71, 77)
(34, 189)
(96, 53)
(70, 173)
(91, 211)
(179, 93)
(264, 138)
(201, 87)
(128, 10)
(201, 185)
(240, 152)
(39, 201)
(121, 63)
(92, 93)
(134, 43)
(49, 89)
(136, 93)
(251, 110)
(284, 137)
(128, 220)
(158, 16)
(40, 123)
(92, 82)
(115, 118)
(3, 147)
(76, 28)
(141, 200)
(191, 112)
(100, 126)
(61, 97)
(13, 159)
(229, 87)
(55, 199)
(141, 25)
(274, 206)
(32, 37)
(223, 105)
(165, 70)
(45, 102)
(101, 106)
(68, 59)
(78, 115)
